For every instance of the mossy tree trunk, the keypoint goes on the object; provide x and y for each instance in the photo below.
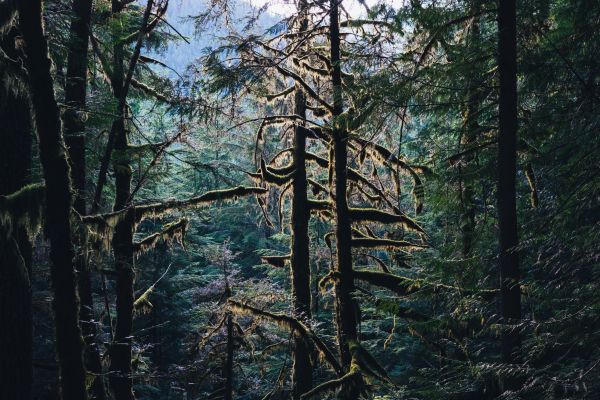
(56, 173)
(120, 353)
(74, 129)
(300, 259)
(121, 380)
(507, 167)
(15, 247)
(345, 307)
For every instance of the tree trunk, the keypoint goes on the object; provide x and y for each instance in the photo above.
(74, 128)
(507, 144)
(345, 307)
(120, 354)
(469, 139)
(15, 253)
(56, 173)
(228, 395)
(300, 260)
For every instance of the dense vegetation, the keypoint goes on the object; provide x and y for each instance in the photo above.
(326, 199)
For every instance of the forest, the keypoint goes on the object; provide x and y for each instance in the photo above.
(308, 199)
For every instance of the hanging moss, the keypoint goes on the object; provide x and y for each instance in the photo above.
(353, 175)
(332, 278)
(23, 209)
(270, 176)
(352, 384)
(160, 209)
(385, 156)
(173, 232)
(142, 304)
(292, 324)
(374, 215)
(102, 226)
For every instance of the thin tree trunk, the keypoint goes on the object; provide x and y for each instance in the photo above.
(300, 260)
(74, 128)
(228, 395)
(506, 192)
(469, 139)
(56, 173)
(15, 254)
(346, 309)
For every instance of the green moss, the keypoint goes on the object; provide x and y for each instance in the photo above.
(23, 209)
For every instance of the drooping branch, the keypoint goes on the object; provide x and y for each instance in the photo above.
(156, 209)
(23, 209)
(352, 377)
(375, 215)
(398, 284)
(270, 176)
(353, 175)
(309, 90)
(292, 324)
(385, 156)
(102, 226)
(276, 261)
(283, 93)
(174, 231)
(530, 175)
(142, 303)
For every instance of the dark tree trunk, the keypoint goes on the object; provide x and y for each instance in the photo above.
(507, 166)
(15, 253)
(300, 260)
(120, 354)
(74, 128)
(346, 309)
(56, 172)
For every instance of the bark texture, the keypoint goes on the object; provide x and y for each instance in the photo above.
(15, 249)
(300, 259)
(74, 129)
(56, 173)
(345, 306)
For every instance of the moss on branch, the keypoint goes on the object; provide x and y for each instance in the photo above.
(375, 215)
(160, 209)
(292, 324)
(174, 231)
(276, 261)
(23, 209)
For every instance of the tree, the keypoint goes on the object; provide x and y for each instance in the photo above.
(69, 343)
(16, 253)
(74, 129)
(506, 191)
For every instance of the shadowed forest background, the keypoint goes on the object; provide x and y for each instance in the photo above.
(218, 199)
